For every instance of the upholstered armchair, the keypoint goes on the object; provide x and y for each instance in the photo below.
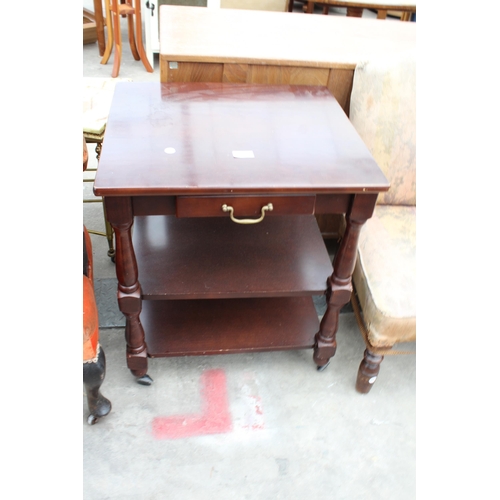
(383, 111)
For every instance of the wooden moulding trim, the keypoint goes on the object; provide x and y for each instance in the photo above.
(166, 58)
(132, 192)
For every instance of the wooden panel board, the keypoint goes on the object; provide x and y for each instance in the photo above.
(198, 327)
(235, 73)
(282, 75)
(340, 86)
(193, 72)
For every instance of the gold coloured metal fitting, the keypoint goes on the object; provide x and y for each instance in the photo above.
(226, 208)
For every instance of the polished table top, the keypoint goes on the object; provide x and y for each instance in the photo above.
(177, 139)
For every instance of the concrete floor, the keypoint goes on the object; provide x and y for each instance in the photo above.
(283, 430)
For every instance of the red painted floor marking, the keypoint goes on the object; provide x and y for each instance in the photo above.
(214, 419)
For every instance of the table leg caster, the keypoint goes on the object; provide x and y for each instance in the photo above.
(321, 368)
(92, 419)
(145, 380)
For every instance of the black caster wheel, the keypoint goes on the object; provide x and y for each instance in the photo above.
(322, 368)
(145, 380)
(92, 419)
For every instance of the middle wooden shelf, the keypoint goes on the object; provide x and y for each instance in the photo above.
(214, 258)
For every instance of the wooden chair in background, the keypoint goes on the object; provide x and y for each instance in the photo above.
(97, 96)
(132, 10)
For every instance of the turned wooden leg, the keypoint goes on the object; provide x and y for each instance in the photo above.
(120, 216)
(98, 149)
(109, 235)
(339, 285)
(94, 372)
(368, 371)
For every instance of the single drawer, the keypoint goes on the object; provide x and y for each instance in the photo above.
(244, 206)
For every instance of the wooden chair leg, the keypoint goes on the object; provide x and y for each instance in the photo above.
(310, 7)
(131, 34)
(368, 371)
(140, 46)
(101, 42)
(109, 38)
(117, 44)
(381, 14)
(109, 235)
(354, 12)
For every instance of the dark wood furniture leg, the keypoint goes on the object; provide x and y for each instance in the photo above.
(368, 371)
(120, 216)
(339, 284)
(93, 377)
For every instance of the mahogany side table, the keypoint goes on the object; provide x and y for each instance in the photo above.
(221, 183)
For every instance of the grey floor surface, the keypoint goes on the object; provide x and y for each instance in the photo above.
(284, 430)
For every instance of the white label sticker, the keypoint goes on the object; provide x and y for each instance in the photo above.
(169, 151)
(173, 65)
(243, 154)
(372, 380)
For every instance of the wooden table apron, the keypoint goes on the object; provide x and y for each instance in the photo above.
(283, 125)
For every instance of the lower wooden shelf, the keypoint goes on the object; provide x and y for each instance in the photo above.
(198, 327)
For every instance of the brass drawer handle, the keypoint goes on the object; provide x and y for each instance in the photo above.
(265, 208)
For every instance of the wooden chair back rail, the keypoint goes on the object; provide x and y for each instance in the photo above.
(355, 8)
